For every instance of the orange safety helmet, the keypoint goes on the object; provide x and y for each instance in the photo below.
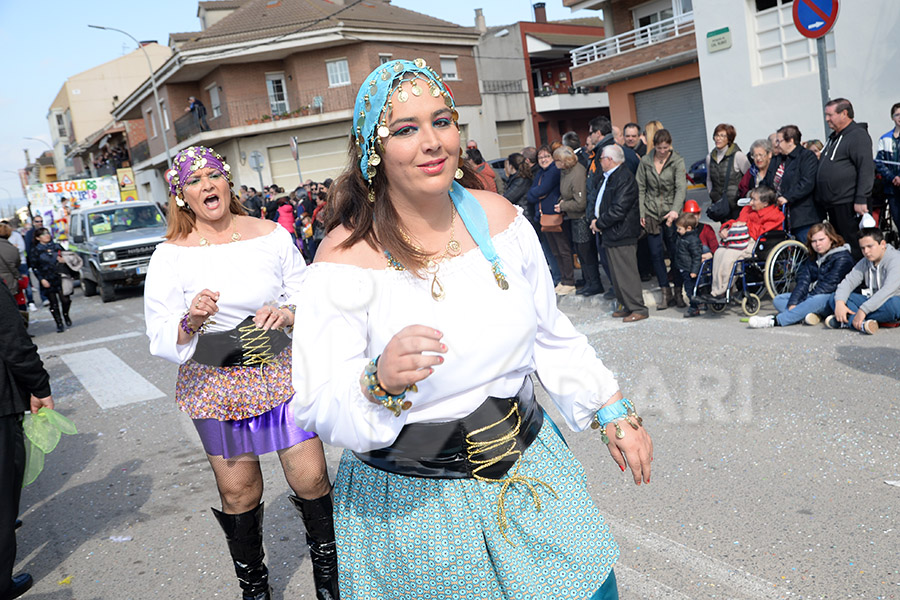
(691, 206)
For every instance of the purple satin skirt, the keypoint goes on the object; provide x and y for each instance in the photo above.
(268, 432)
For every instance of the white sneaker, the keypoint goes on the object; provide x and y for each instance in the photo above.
(32, 307)
(757, 322)
(565, 290)
(46, 303)
(870, 326)
(812, 319)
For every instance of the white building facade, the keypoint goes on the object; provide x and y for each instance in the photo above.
(769, 76)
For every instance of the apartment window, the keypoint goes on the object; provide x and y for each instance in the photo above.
(61, 126)
(165, 114)
(781, 52)
(448, 68)
(152, 123)
(339, 72)
(278, 102)
(214, 103)
(762, 5)
(384, 58)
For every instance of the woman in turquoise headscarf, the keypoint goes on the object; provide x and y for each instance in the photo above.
(426, 311)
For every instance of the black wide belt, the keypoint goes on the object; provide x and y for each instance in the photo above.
(485, 444)
(244, 346)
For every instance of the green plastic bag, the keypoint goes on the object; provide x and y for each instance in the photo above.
(42, 433)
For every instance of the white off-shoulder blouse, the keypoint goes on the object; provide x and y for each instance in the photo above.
(247, 274)
(494, 339)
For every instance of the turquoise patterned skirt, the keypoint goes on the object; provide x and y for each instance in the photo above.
(405, 537)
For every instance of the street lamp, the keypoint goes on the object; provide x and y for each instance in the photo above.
(152, 83)
(41, 141)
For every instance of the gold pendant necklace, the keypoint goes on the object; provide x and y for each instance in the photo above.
(432, 265)
(235, 236)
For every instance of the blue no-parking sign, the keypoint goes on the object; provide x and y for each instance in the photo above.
(815, 18)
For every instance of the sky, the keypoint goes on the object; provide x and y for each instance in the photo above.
(40, 53)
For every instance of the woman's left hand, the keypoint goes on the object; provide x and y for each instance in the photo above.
(670, 217)
(270, 317)
(634, 449)
(556, 207)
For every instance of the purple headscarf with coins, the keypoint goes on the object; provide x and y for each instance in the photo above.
(192, 159)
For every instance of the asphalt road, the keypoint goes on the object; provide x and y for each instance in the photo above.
(772, 453)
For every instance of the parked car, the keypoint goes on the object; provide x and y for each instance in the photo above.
(499, 167)
(115, 241)
(697, 173)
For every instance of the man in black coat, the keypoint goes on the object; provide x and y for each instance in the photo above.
(24, 385)
(792, 174)
(846, 171)
(616, 216)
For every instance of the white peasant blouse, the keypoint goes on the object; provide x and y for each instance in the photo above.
(247, 274)
(494, 339)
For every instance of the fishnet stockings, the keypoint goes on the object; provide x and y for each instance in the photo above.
(240, 482)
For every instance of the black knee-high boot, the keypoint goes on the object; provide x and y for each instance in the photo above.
(318, 517)
(244, 535)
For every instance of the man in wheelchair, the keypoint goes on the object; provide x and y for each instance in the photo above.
(879, 274)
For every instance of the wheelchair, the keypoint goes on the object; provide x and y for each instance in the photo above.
(771, 268)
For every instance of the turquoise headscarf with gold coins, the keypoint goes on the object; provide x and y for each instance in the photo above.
(373, 103)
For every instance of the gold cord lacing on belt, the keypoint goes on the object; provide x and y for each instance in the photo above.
(257, 349)
(508, 439)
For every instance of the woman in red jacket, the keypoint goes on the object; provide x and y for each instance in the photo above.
(761, 216)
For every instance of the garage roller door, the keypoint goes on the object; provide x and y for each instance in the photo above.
(679, 107)
(510, 137)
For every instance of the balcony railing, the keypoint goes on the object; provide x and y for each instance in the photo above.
(259, 110)
(634, 39)
(141, 152)
(502, 86)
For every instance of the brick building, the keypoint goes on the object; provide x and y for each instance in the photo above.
(648, 63)
(269, 70)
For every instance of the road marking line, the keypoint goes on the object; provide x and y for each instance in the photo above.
(109, 380)
(111, 338)
(711, 568)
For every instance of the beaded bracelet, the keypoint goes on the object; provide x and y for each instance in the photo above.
(186, 325)
(291, 308)
(622, 410)
(395, 404)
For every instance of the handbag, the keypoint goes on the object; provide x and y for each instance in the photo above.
(551, 223)
(720, 210)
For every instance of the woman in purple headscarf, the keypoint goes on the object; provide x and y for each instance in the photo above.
(214, 303)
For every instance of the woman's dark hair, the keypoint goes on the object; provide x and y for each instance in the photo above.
(791, 132)
(474, 154)
(5, 230)
(40, 231)
(348, 205)
(517, 161)
(662, 137)
(545, 148)
(764, 194)
(283, 200)
(836, 240)
(730, 133)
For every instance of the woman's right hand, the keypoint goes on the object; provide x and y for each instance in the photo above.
(402, 361)
(643, 223)
(203, 306)
(45, 283)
